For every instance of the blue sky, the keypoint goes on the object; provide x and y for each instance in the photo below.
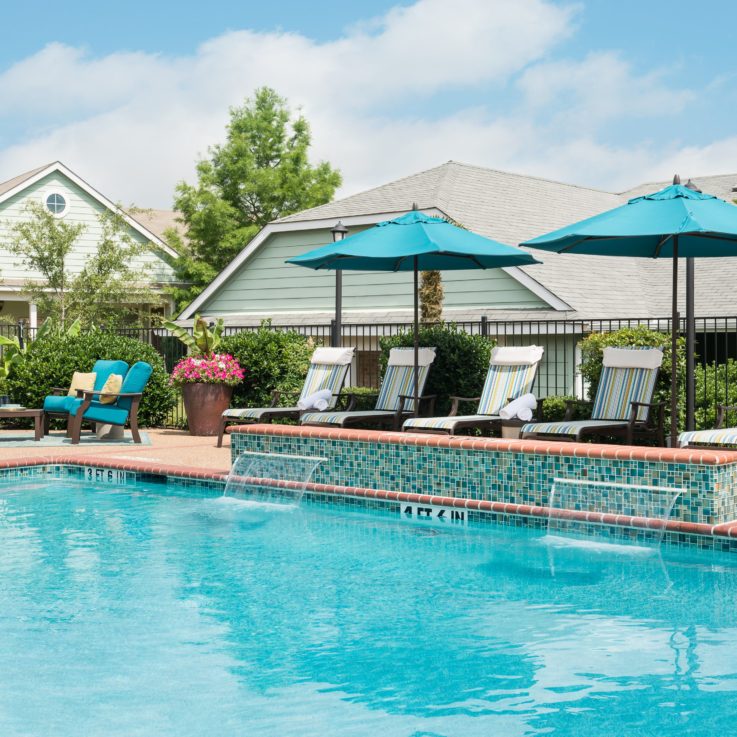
(596, 92)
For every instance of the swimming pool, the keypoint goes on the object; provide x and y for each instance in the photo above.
(153, 609)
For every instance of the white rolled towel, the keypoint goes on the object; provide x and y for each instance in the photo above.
(314, 400)
(513, 409)
(525, 414)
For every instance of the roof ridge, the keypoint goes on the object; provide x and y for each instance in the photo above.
(505, 172)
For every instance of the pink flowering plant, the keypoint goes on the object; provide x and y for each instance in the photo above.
(215, 368)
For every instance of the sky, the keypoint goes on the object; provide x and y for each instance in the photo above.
(598, 93)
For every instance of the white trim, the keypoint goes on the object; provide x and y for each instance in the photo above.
(537, 289)
(57, 166)
(515, 272)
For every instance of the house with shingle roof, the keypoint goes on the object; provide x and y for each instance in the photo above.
(66, 195)
(552, 303)
(507, 207)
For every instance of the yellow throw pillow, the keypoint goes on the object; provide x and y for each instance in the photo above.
(86, 382)
(112, 385)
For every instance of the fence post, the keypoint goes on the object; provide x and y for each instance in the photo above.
(334, 337)
(19, 333)
(485, 326)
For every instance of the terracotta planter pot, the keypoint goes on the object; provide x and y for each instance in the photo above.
(204, 405)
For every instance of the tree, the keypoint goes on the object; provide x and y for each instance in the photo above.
(106, 291)
(261, 172)
(431, 297)
(43, 244)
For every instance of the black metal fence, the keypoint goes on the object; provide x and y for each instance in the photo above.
(716, 344)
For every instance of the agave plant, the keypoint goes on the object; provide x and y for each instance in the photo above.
(202, 341)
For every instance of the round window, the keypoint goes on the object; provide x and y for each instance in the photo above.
(56, 204)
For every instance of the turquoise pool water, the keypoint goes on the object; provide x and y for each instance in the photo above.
(149, 611)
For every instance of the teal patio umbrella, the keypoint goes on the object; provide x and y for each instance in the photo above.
(414, 242)
(676, 222)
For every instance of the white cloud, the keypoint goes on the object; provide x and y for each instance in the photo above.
(133, 124)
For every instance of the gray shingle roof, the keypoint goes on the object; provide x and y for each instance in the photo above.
(513, 208)
(15, 181)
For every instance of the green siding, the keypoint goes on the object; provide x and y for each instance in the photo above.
(81, 208)
(265, 284)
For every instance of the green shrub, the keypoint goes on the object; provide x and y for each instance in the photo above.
(272, 360)
(554, 408)
(460, 366)
(51, 361)
(592, 352)
(715, 384)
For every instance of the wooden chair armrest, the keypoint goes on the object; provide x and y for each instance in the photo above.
(60, 391)
(120, 395)
(425, 398)
(659, 408)
(456, 401)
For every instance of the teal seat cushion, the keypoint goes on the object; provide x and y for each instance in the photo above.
(97, 412)
(58, 404)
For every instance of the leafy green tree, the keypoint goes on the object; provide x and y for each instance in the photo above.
(106, 291)
(261, 172)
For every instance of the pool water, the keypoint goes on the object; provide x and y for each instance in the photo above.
(152, 611)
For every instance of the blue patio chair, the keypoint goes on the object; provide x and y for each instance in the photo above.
(59, 403)
(123, 410)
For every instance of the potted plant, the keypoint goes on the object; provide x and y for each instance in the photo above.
(205, 376)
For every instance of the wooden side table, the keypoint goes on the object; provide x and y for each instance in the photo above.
(37, 414)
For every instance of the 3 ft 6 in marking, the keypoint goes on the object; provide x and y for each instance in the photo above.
(105, 475)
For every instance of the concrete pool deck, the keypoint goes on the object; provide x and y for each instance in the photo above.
(168, 448)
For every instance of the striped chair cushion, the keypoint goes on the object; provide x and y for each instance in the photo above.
(504, 383)
(324, 376)
(618, 388)
(397, 381)
(723, 436)
(338, 418)
(443, 423)
(574, 427)
(251, 413)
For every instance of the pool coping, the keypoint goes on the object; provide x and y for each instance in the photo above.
(541, 447)
(725, 530)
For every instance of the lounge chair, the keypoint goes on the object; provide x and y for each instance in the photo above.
(328, 371)
(623, 404)
(718, 437)
(58, 403)
(511, 374)
(394, 401)
(123, 408)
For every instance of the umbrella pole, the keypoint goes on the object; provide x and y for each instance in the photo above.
(675, 319)
(417, 341)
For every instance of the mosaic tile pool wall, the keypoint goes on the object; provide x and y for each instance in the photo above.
(396, 463)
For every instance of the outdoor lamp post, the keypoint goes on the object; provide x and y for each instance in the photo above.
(338, 231)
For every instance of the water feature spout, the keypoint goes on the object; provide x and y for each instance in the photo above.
(270, 478)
